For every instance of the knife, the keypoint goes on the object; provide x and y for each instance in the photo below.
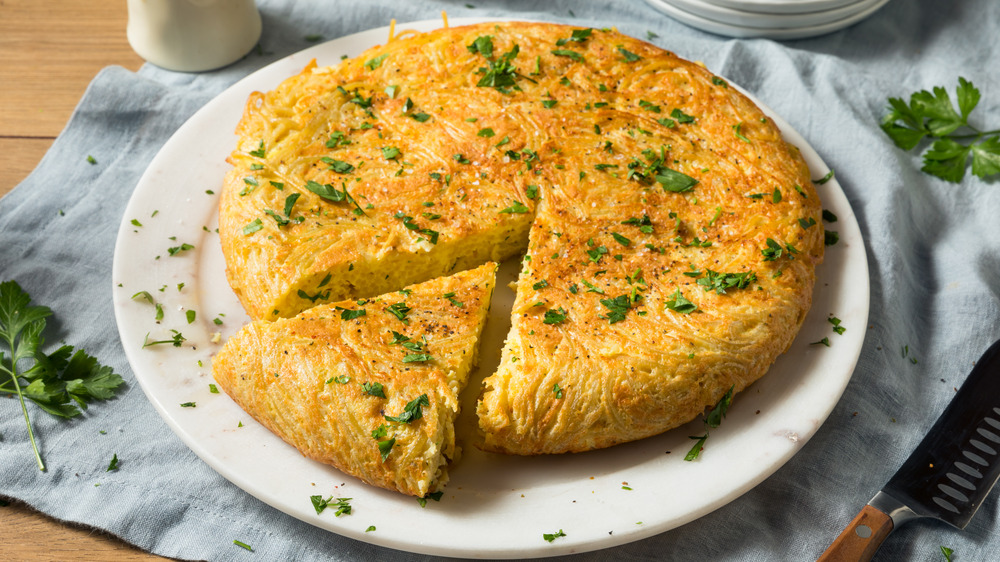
(947, 476)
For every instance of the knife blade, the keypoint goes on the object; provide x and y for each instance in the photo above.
(946, 477)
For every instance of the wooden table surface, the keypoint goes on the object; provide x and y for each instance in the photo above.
(49, 51)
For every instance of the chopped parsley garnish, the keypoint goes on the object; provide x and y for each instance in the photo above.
(373, 389)
(576, 36)
(681, 117)
(678, 303)
(384, 445)
(807, 222)
(828, 216)
(259, 152)
(649, 106)
(531, 191)
(597, 253)
(399, 310)
(373, 63)
(592, 288)
(189, 405)
(621, 239)
(390, 152)
(719, 82)
(178, 249)
(739, 135)
(836, 325)
(114, 463)
(485, 132)
(654, 169)
(617, 307)
(242, 544)
(712, 421)
(645, 224)
(330, 193)
(451, 298)
(336, 139)
(540, 285)
(515, 208)
(824, 341)
(824, 179)
(501, 74)
(319, 295)
(830, 237)
(774, 250)
(776, 196)
(412, 411)
(549, 537)
(555, 316)
(348, 314)
(432, 235)
(176, 340)
(720, 282)
(338, 166)
(629, 56)
(557, 391)
(549, 104)
(575, 56)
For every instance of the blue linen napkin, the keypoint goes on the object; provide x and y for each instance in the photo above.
(933, 250)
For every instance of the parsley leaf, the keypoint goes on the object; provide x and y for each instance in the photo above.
(617, 307)
(549, 537)
(60, 383)
(373, 389)
(712, 421)
(932, 115)
(678, 303)
(412, 411)
(515, 208)
(555, 316)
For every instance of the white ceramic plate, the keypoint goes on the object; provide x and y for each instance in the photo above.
(740, 18)
(494, 506)
(747, 32)
(782, 6)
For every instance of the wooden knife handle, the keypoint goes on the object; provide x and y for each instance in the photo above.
(861, 538)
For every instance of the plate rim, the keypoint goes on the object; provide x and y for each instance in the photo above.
(127, 315)
(776, 33)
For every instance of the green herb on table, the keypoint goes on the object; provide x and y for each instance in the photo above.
(933, 116)
(947, 552)
(242, 544)
(91, 159)
(114, 463)
(54, 382)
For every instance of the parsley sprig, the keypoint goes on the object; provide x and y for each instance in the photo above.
(932, 115)
(60, 383)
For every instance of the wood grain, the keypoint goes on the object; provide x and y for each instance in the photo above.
(49, 51)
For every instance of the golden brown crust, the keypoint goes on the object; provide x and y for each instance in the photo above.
(302, 378)
(589, 145)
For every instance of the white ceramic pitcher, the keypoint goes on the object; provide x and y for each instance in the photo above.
(192, 35)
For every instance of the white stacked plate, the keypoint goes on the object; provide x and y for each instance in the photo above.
(773, 19)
